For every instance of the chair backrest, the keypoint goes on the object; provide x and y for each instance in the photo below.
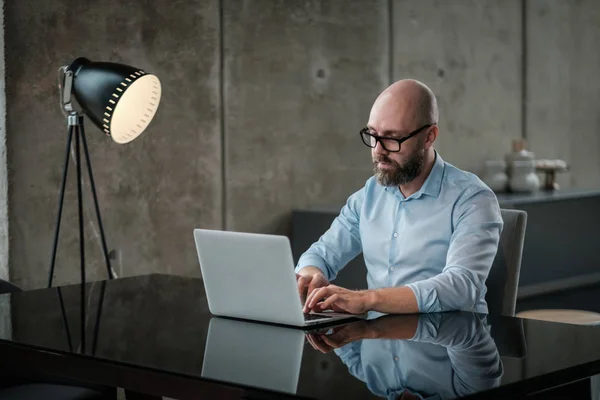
(7, 287)
(503, 280)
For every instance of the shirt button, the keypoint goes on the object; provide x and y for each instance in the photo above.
(392, 268)
(396, 359)
(395, 234)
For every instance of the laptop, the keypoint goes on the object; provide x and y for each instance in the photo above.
(258, 355)
(251, 276)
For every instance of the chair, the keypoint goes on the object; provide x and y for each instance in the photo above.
(14, 387)
(503, 280)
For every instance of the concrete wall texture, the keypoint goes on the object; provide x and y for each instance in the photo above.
(262, 105)
(4, 270)
(5, 314)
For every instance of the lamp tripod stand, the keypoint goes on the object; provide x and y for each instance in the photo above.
(75, 123)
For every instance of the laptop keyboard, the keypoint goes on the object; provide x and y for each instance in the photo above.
(312, 317)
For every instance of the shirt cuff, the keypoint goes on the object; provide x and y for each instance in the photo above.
(427, 297)
(313, 261)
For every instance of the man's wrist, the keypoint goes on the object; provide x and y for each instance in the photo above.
(372, 299)
(394, 300)
(370, 330)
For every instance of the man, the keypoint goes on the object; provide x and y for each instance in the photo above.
(428, 231)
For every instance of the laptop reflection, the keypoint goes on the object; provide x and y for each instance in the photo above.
(252, 354)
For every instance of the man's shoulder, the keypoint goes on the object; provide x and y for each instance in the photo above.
(371, 184)
(470, 195)
(463, 182)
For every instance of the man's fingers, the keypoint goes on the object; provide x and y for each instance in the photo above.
(317, 295)
(302, 282)
(309, 299)
(329, 302)
(339, 337)
(310, 339)
(314, 285)
(329, 341)
(318, 344)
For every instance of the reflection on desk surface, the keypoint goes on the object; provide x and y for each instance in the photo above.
(163, 323)
(416, 356)
(432, 356)
(253, 354)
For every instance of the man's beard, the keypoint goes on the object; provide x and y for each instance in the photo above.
(398, 175)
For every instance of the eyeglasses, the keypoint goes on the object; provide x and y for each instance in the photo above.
(389, 144)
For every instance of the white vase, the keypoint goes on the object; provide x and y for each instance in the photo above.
(523, 177)
(519, 153)
(495, 175)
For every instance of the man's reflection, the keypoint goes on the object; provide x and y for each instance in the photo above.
(424, 356)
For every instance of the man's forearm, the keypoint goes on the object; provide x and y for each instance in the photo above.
(397, 300)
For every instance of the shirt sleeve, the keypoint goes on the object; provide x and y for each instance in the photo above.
(340, 244)
(350, 355)
(473, 245)
(472, 351)
(452, 329)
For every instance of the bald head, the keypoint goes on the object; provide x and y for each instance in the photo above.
(403, 111)
(406, 104)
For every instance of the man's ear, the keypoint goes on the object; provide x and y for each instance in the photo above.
(432, 135)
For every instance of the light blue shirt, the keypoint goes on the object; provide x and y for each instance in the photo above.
(440, 242)
(451, 355)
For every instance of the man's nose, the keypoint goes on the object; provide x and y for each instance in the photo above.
(379, 149)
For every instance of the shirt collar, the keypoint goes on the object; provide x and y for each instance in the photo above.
(432, 185)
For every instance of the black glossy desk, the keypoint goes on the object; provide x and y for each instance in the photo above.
(154, 335)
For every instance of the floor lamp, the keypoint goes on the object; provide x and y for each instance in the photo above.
(120, 100)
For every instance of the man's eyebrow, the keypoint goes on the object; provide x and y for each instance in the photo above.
(386, 133)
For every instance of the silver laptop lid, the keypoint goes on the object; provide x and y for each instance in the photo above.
(249, 275)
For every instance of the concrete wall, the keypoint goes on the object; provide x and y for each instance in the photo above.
(469, 53)
(300, 79)
(5, 313)
(262, 105)
(3, 170)
(563, 87)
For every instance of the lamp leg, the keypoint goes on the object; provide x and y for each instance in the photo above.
(81, 237)
(94, 195)
(60, 206)
(98, 315)
(64, 317)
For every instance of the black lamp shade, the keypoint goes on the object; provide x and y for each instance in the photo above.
(121, 100)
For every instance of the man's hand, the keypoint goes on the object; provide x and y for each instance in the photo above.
(339, 299)
(309, 279)
(341, 336)
(398, 327)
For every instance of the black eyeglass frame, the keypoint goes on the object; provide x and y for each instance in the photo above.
(379, 139)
